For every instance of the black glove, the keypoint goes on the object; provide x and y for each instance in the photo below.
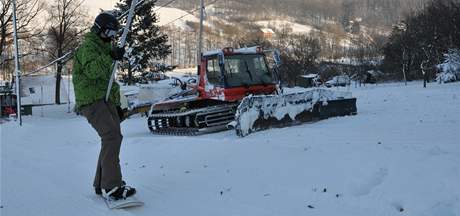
(121, 113)
(117, 53)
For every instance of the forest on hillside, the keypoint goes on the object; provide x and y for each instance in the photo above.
(383, 13)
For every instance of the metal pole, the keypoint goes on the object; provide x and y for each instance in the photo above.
(68, 88)
(121, 45)
(200, 40)
(180, 45)
(41, 100)
(17, 68)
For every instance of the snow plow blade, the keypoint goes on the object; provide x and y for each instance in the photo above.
(256, 113)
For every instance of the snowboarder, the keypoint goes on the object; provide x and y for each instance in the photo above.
(92, 72)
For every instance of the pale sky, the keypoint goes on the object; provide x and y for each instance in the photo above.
(94, 5)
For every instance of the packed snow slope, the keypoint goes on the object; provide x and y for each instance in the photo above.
(399, 156)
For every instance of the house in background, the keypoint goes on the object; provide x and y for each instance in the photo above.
(266, 33)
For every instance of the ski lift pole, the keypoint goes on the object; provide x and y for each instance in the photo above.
(41, 100)
(17, 67)
(200, 40)
(68, 88)
(121, 45)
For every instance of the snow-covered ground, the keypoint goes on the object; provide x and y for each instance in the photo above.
(167, 15)
(399, 156)
(296, 27)
(176, 17)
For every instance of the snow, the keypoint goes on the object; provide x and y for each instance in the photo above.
(247, 50)
(278, 106)
(212, 52)
(400, 152)
(450, 68)
(445, 77)
(267, 31)
(170, 16)
(244, 50)
(310, 76)
(183, 72)
(296, 27)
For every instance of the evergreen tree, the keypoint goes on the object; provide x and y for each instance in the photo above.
(145, 43)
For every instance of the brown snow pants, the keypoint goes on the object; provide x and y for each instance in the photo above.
(103, 117)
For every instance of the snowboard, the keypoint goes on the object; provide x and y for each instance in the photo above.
(129, 202)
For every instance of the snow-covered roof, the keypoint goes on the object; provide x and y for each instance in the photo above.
(245, 50)
(267, 31)
(296, 27)
(310, 76)
(212, 52)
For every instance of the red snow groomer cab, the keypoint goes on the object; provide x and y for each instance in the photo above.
(230, 75)
(237, 89)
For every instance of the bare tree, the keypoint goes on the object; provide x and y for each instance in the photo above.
(68, 22)
(282, 36)
(27, 11)
(301, 57)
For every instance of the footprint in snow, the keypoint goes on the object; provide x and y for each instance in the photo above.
(370, 183)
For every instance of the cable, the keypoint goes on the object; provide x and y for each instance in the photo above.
(162, 6)
(70, 54)
(189, 13)
(140, 3)
(124, 14)
(66, 57)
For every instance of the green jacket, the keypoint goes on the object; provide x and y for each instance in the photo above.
(92, 68)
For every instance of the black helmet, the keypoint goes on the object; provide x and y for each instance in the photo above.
(106, 21)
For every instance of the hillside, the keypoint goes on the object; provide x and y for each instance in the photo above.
(377, 13)
(224, 28)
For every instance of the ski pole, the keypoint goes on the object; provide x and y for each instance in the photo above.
(121, 45)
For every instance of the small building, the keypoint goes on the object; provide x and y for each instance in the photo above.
(266, 33)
